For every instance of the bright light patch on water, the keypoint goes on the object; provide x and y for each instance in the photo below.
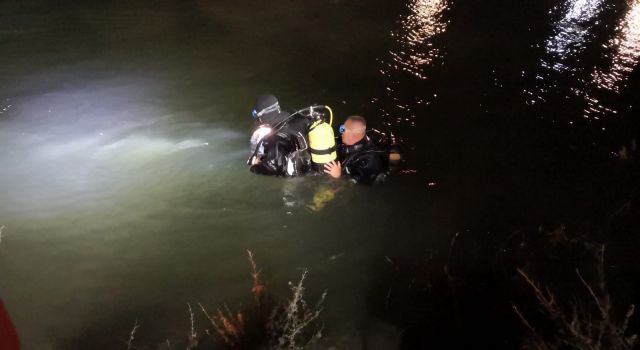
(415, 52)
(563, 48)
(626, 46)
(63, 150)
(423, 23)
(625, 54)
(571, 32)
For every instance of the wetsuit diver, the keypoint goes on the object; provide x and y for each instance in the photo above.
(359, 157)
(279, 143)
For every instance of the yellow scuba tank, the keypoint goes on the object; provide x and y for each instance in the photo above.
(322, 143)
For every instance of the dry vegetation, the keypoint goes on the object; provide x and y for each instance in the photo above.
(584, 326)
(265, 324)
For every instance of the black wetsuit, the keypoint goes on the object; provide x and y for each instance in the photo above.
(365, 162)
(286, 151)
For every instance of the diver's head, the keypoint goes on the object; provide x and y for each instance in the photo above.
(266, 110)
(355, 128)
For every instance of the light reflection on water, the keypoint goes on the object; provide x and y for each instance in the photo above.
(415, 52)
(562, 71)
(563, 47)
(625, 53)
(570, 33)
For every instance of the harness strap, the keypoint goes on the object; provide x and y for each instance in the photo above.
(323, 151)
(355, 156)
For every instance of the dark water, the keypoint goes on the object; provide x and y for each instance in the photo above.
(124, 130)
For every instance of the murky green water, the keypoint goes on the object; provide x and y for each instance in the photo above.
(124, 134)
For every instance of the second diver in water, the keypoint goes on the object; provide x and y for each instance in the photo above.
(290, 144)
(359, 158)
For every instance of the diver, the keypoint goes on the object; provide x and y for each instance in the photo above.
(279, 144)
(360, 158)
(290, 144)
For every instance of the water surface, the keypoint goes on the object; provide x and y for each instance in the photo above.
(124, 133)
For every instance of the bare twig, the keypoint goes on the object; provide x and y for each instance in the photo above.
(627, 316)
(601, 308)
(386, 304)
(132, 336)
(522, 318)
(229, 327)
(213, 322)
(625, 207)
(258, 289)
(579, 329)
(539, 342)
(453, 242)
(446, 268)
(193, 336)
(546, 299)
(254, 268)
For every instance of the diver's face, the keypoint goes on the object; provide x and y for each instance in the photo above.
(354, 131)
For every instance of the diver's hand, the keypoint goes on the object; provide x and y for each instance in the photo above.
(255, 160)
(333, 168)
